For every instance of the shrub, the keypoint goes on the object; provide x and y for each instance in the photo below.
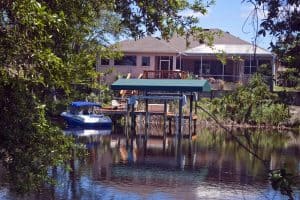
(253, 104)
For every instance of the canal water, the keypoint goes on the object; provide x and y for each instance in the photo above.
(210, 166)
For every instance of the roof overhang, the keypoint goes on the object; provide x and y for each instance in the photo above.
(157, 51)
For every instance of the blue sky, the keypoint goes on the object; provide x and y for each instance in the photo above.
(230, 15)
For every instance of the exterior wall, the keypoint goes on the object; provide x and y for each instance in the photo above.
(233, 71)
(135, 71)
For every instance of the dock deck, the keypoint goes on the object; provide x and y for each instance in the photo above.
(113, 112)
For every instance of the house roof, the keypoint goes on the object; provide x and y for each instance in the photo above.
(147, 45)
(225, 38)
(226, 42)
(236, 49)
(169, 85)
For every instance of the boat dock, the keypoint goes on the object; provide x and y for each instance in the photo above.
(171, 117)
(156, 95)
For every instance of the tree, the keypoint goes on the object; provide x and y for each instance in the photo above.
(252, 104)
(282, 20)
(46, 45)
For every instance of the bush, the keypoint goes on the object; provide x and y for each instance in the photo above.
(252, 104)
(289, 78)
(272, 114)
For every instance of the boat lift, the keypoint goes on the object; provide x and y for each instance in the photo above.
(164, 90)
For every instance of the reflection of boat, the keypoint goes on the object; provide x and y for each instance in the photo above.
(83, 114)
(86, 132)
(89, 137)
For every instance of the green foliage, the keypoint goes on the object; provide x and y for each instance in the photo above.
(289, 78)
(48, 52)
(282, 22)
(282, 181)
(164, 16)
(212, 106)
(265, 70)
(269, 114)
(252, 104)
(29, 144)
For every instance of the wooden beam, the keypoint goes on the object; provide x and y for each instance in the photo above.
(165, 119)
(191, 116)
(132, 120)
(180, 118)
(146, 116)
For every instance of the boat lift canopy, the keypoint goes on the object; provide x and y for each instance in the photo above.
(84, 104)
(168, 85)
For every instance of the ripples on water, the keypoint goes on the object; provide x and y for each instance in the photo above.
(211, 166)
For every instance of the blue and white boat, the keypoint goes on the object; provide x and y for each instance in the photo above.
(82, 114)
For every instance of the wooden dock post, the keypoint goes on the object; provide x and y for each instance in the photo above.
(180, 116)
(165, 119)
(132, 124)
(127, 119)
(179, 156)
(146, 117)
(191, 116)
(170, 126)
(196, 99)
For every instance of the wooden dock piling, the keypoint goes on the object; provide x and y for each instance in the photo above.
(180, 117)
(191, 116)
(146, 117)
(165, 119)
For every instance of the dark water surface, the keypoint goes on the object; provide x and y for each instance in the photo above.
(211, 166)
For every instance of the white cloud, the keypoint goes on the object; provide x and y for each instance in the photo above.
(248, 11)
(191, 13)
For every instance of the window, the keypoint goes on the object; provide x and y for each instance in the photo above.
(104, 61)
(250, 67)
(145, 61)
(126, 60)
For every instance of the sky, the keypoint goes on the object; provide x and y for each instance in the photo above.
(230, 15)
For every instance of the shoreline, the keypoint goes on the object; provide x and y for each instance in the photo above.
(233, 125)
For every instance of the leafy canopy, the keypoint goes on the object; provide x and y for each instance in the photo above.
(48, 45)
(282, 20)
(251, 104)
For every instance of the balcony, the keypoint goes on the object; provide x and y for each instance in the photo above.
(164, 74)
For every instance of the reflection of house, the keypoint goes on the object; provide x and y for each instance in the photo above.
(152, 53)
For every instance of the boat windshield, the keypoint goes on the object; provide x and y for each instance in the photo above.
(84, 110)
(74, 110)
(84, 107)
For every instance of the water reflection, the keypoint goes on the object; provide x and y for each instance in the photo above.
(80, 132)
(211, 166)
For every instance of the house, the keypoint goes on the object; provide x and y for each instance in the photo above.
(151, 54)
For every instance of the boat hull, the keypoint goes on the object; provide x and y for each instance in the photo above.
(89, 121)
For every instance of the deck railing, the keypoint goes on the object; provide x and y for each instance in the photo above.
(164, 74)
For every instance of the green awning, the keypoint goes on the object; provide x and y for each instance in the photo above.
(168, 85)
